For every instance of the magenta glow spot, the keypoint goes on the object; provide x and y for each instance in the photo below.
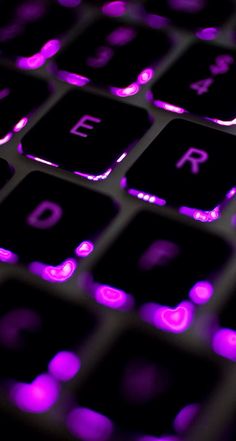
(50, 48)
(20, 125)
(93, 177)
(121, 36)
(185, 418)
(162, 438)
(69, 3)
(122, 157)
(223, 123)
(145, 76)
(224, 343)
(201, 292)
(156, 21)
(64, 366)
(174, 320)
(169, 107)
(112, 297)
(7, 256)
(37, 397)
(43, 161)
(5, 139)
(114, 8)
(130, 90)
(207, 33)
(89, 425)
(59, 273)
(146, 197)
(84, 249)
(72, 78)
(201, 216)
(31, 63)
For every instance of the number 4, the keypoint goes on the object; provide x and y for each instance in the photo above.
(202, 86)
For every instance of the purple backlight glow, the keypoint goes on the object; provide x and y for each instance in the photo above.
(224, 343)
(72, 78)
(37, 397)
(48, 50)
(5, 139)
(35, 158)
(200, 215)
(64, 366)
(112, 297)
(169, 107)
(93, 177)
(143, 78)
(69, 3)
(58, 274)
(114, 8)
(89, 425)
(156, 21)
(84, 249)
(201, 292)
(207, 33)
(21, 124)
(146, 197)
(7, 256)
(162, 438)
(176, 320)
(185, 418)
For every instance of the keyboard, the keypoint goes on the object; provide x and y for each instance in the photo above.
(118, 220)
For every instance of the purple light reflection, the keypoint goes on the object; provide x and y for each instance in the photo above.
(114, 8)
(89, 425)
(84, 249)
(224, 343)
(185, 418)
(112, 297)
(7, 256)
(207, 33)
(201, 292)
(64, 366)
(72, 78)
(176, 320)
(59, 274)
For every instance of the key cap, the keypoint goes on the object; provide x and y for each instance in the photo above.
(197, 173)
(200, 82)
(160, 262)
(20, 95)
(46, 219)
(191, 13)
(6, 172)
(121, 55)
(94, 134)
(30, 31)
(143, 387)
(39, 339)
(224, 331)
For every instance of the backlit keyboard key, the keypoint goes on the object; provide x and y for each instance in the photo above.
(30, 31)
(201, 82)
(121, 55)
(224, 331)
(191, 13)
(86, 134)
(20, 95)
(160, 262)
(39, 339)
(187, 165)
(48, 220)
(143, 388)
(6, 172)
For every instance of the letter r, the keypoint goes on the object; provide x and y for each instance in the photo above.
(46, 215)
(195, 157)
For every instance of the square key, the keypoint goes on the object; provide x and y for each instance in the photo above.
(162, 263)
(143, 388)
(188, 166)
(121, 57)
(86, 134)
(48, 220)
(201, 82)
(224, 330)
(40, 336)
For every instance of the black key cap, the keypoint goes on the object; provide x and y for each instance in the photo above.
(19, 96)
(93, 133)
(186, 167)
(159, 261)
(39, 336)
(30, 31)
(224, 339)
(191, 13)
(6, 172)
(48, 220)
(120, 55)
(144, 387)
(200, 82)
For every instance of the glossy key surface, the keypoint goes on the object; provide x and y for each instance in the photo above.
(45, 219)
(143, 386)
(118, 55)
(201, 81)
(86, 134)
(186, 165)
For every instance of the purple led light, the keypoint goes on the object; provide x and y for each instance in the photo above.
(185, 418)
(156, 21)
(201, 216)
(50, 48)
(31, 63)
(224, 343)
(59, 273)
(112, 297)
(201, 292)
(114, 8)
(176, 320)
(223, 123)
(35, 158)
(84, 249)
(154, 438)
(5, 139)
(145, 76)
(69, 3)
(64, 366)
(21, 124)
(37, 397)
(207, 33)
(72, 78)
(145, 196)
(130, 90)
(94, 178)
(169, 107)
(122, 157)
(89, 425)
(7, 256)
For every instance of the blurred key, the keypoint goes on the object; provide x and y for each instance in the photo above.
(224, 330)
